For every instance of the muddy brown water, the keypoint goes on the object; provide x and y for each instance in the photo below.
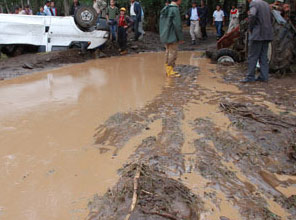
(50, 166)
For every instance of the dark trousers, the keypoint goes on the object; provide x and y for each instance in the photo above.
(204, 31)
(122, 38)
(258, 52)
(136, 27)
(219, 25)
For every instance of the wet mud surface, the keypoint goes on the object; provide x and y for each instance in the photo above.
(201, 146)
(31, 63)
(234, 153)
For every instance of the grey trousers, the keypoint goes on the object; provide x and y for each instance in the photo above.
(258, 51)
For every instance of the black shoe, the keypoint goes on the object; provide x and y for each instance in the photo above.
(247, 81)
(259, 79)
(193, 42)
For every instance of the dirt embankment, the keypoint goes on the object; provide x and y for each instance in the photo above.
(231, 152)
(30, 63)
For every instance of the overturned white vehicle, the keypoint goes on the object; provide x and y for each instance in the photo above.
(31, 33)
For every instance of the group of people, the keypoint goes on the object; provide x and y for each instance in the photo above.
(48, 9)
(260, 35)
(197, 20)
(119, 21)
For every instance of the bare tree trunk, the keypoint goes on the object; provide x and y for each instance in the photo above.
(66, 7)
(7, 8)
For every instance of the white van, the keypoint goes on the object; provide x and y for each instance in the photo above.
(48, 33)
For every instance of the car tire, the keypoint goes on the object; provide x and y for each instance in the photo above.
(85, 17)
(227, 52)
(282, 49)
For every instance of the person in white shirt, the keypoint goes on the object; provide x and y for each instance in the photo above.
(234, 19)
(193, 21)
(47, 8)
(218, 21)
(136, 15)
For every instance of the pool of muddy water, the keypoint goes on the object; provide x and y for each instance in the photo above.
(49, 165)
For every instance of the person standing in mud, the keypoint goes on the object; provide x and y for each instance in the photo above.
(234, 19)
(193, 21)
(124, 22)
(111, 14)
(136, 15)
(218, 21)
(260, 35)
(171, 34)
(203, 16)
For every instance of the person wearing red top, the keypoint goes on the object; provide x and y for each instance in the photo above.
(124, 22)
(234, 19)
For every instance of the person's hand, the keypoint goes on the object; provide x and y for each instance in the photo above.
(181, 42)
(186, 16)
(125, 26)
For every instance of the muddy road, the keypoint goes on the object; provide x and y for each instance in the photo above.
(115, 139)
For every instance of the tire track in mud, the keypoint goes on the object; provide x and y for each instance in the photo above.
(223, 165)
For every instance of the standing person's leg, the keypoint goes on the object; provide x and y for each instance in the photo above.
(120, 37)
(197, 30)
(136, 29)
(173, 53)
(263, 60)
(217, 28)
(113, 26)
(253, 56)
(192, 34)
(172, 57)
(230, 27)
(167, 47)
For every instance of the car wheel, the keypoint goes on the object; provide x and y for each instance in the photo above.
(86, 17)
(226, 52)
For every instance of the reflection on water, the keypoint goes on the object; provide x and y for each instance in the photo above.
(49, 168)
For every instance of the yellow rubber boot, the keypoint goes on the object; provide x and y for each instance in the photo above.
(172, 73)
(167, 69)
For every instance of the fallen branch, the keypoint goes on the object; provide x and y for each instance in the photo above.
(135, 194)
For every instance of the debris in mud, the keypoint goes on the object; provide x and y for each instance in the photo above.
(145, 193)
(256, 114)
(28, 66)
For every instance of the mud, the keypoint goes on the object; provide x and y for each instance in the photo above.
(229, 151)
(197, 147)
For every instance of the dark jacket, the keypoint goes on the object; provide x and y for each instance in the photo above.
(73, 8)
(170, 25)
(138, 11)
(260, 23)
(203, 15)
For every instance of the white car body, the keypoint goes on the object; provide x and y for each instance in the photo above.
(47, 31)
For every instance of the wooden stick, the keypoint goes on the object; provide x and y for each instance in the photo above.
(135, 194)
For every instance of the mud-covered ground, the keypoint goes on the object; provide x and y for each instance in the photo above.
(30, 63)
(218, 150)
